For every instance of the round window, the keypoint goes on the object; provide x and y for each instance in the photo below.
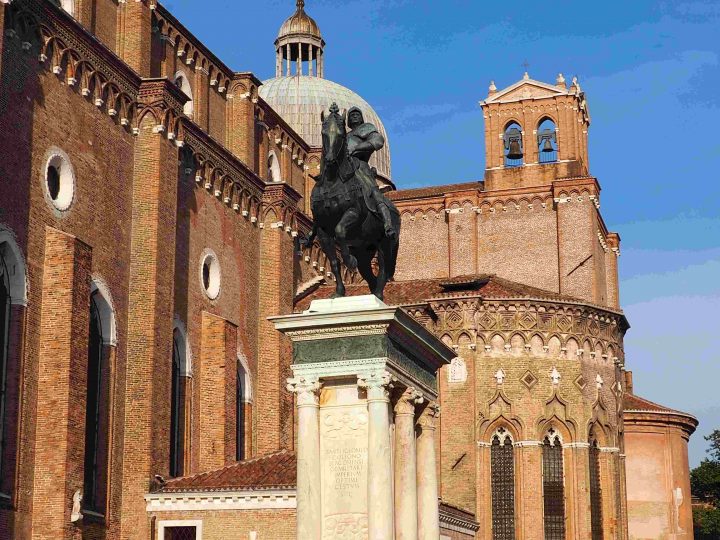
(59, 180)
(210, 274)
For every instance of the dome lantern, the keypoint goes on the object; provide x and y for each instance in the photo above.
(299, 46)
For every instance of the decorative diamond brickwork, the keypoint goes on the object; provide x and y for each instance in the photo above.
(529, 379)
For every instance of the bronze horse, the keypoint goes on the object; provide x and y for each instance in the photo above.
(339, 203)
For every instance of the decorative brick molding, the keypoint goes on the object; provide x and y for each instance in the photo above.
(233, 500)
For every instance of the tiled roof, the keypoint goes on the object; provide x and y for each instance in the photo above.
(434, 191)
(634, 403)
(417, 291)
(273, 471)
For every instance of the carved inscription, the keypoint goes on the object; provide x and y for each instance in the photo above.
(343, 455)
(346, 464)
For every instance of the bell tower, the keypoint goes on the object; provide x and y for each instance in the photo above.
(535, 133)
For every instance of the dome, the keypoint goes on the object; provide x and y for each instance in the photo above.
(299, 23)
(301, 99)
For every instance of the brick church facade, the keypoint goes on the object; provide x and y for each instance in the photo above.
(151, 201)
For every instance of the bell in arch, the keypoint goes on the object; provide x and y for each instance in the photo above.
(546, 138)
(513, 138)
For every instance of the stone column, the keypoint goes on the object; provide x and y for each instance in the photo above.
(380, 492)
(287, 52)
(309, 510)
(406, 502)
(427, 485)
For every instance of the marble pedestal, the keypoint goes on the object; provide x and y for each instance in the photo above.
(365, 384)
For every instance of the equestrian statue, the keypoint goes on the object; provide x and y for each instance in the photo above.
(348, 208)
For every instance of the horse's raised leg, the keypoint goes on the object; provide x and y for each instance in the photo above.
(342, 229)
(328, 246)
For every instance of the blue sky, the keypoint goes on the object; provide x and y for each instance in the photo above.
(651, 71)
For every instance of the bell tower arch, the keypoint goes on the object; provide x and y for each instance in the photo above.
(535, 133)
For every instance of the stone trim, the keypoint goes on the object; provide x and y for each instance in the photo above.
(332, 333)
(576, 445)
(523, 444)
(228, 500)
(452, 522)
(197, 523)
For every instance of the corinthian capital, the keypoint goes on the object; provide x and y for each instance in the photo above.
(378, 384)
(307, 389)
(407, 402)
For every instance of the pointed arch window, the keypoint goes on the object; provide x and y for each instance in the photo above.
(182, 82)
(273, 168)
(502, 472)
(4, 353)
(596, 518)
(96, 408)
(547, 141)
(177, 408)
(553, 486)
(240, 412)
(243, 410)
(513, 145)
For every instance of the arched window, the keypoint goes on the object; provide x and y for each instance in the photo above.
(513, 144)
(13, 295)
(4, 353)
(240, 410)
(181, 81)
(242, 401)
(502, 471)
(553, 486)
(273, 168)
(547, 141)
(97, 405)
(177, 408)
(596, 519)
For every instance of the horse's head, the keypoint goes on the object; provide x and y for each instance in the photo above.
(333, 134)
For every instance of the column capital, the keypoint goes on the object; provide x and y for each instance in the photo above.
(407, 402)
(378, 384)
(430, 413)
(306, 388)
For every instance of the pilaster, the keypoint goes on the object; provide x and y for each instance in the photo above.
(216, 378)
(273, 406)
(135, 40)
(241, 121)
(150, 315)
(62, 383)
(530, 498)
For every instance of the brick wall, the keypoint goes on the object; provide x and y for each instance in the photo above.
(225, 524)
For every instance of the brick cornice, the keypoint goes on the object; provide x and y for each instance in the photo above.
(573, 184)
(56, 22)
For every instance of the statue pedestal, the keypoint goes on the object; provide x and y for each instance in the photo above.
(364, 375)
